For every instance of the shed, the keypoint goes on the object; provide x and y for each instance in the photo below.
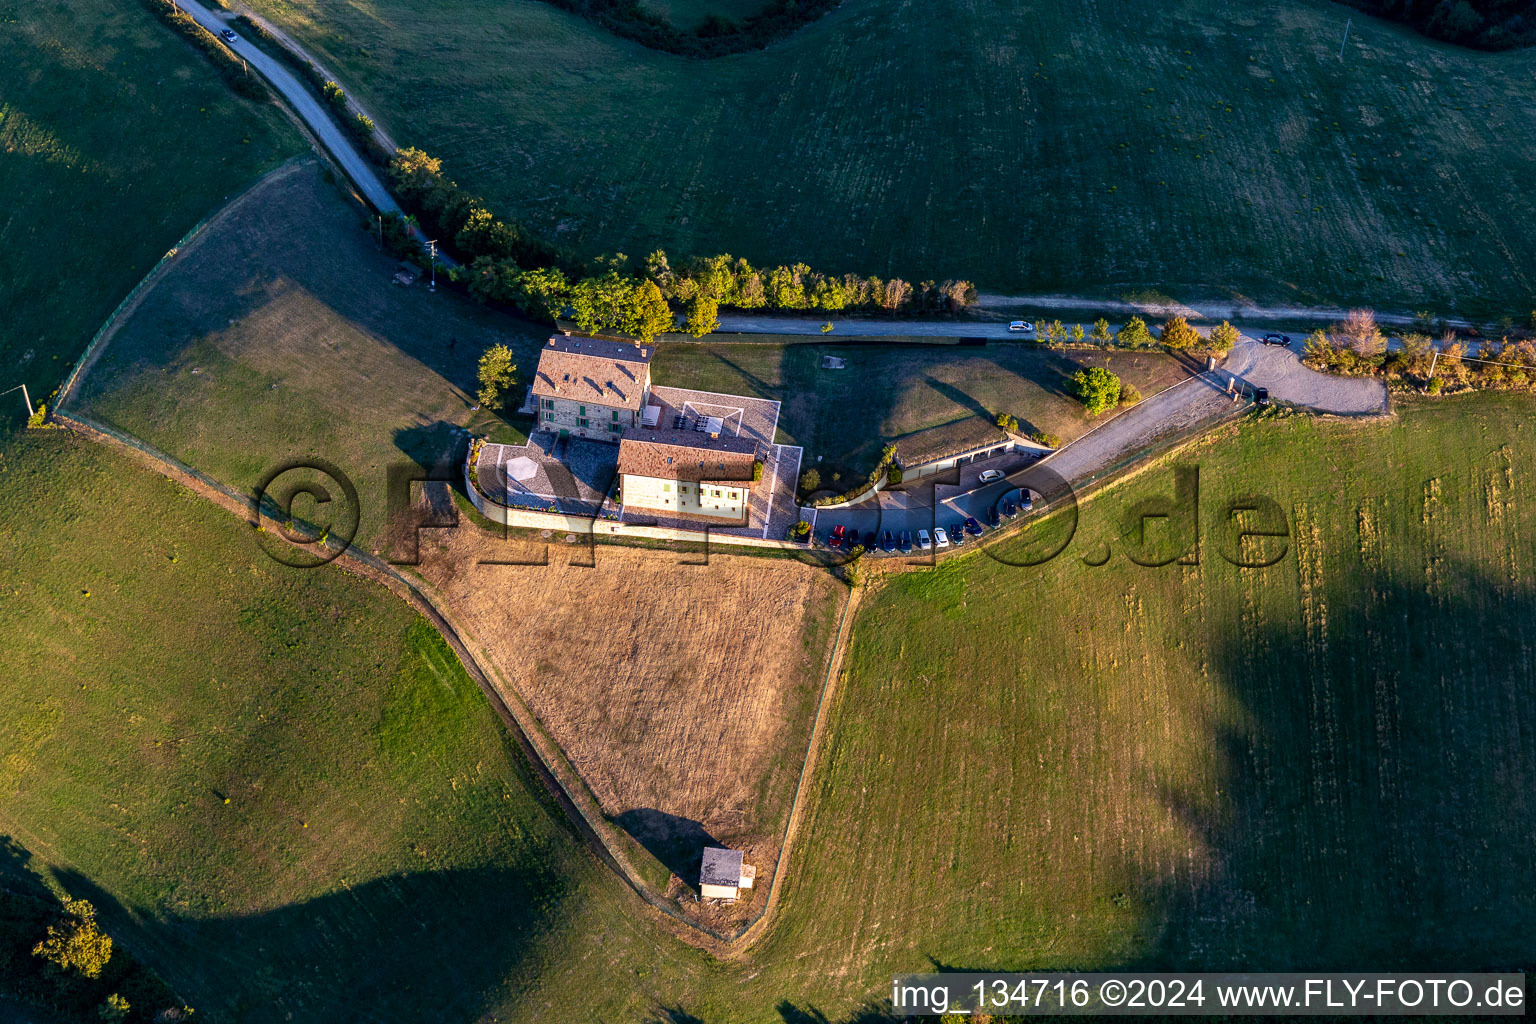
(722, 873)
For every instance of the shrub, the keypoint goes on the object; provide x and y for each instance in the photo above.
(1047, 439)
(826, 328)
(77, 943)
(853, 575)
(39, 415)
(1129, 395)
(1007, 421)
(1435, 385)
(364, 123)
(1097, 388)
(334, 95)
(231, 68)
(800, 530)
(810, 480)
(114, 1009)
(1178, 334)
(893, 475)
(1224, 336)
(757, 470)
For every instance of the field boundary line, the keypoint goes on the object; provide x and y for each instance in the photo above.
(753, 929)
(130, 303)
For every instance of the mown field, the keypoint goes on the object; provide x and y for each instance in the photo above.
(116, 137)
(278, 336)
(1203, 149)
(887, 392)
(1324, 762)
(279, 787)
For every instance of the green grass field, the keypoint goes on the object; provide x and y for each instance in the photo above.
(116, 137)
(1202, 149)
(889, 391)
(1319, 763)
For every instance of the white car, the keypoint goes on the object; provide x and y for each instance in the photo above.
(940, 538)
(991, 476)
(924, 542)
(1022, 327)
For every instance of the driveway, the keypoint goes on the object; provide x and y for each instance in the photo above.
(1280, 370)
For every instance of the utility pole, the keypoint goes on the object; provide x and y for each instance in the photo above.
(432, 263)
(1432, 363)
(1346, 37)
(380, 219)
(24, 397)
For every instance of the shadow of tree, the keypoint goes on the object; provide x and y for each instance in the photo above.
(435, 945)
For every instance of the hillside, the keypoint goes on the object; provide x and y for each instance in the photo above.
(1206, 149)
(117, 137)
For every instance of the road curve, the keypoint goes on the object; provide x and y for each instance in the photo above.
(303, 103)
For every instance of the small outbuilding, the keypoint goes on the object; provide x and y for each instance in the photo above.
(722, 874)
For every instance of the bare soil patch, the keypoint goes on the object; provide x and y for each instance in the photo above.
(683, 694)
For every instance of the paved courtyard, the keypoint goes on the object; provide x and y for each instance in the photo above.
(549, 473)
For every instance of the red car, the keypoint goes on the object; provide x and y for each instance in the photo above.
(835, 538)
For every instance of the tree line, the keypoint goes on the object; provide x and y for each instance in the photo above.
(715, 36)
(507, 263)
(1357, 347)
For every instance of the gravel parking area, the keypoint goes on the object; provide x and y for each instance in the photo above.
(1280, 370)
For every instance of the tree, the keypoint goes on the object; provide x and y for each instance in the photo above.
(1359, 332)
(114, 1009)
(414, 173)
(542, 292)
(1077, 333)
(647, 314)
(1224, 336)
(1101, 331)
(1008, 421)
(602, 302)
(497, 375)
(702, 315)
(77, 943)
(810, 480)
(1097, 389)
(1177, 334)
(1129, 395)
(1135, 334)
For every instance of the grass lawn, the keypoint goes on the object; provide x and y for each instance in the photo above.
(889, 391)
(287, 341)
(117, 137)
(1206, 149)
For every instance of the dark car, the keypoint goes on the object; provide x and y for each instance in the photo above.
(887, 542)
(906, 540)
(993, 519)
(1261, 396)
(869, 540)
(835, 538)
(1025, 501)
(957, 534)
(972, 527)
(1283, 340)
(1010, 509)
(228, 35)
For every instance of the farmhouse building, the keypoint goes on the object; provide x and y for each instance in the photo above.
(591, 387)
(687, 473)
(722, 873)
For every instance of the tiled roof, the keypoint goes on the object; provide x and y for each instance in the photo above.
(720, 867)
(596, 370)
(689, 455)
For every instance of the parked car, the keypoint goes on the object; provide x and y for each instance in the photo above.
(1261, 396)
(228, 35)
(940, 538)
(993, 519)
(835, 538)
(1026, 502)
(887, 542)
(1010, 509)
(957, 533)
(991, 476)
(1021, 327)
(972, 527)
(906, 541)
(869, 540)
(1283, 340)
(924, 542)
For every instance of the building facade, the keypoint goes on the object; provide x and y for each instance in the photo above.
(688, 474)
(591, 387)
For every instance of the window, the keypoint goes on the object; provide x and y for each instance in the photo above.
(615, 415)
(717, 492)
(666, 488)
(548, 415)
(581, 422)
(615, 428)
(549, 403)
(581, 409)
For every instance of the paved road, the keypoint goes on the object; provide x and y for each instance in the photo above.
(307, 107)
(1190, 406)
(1213, 310)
